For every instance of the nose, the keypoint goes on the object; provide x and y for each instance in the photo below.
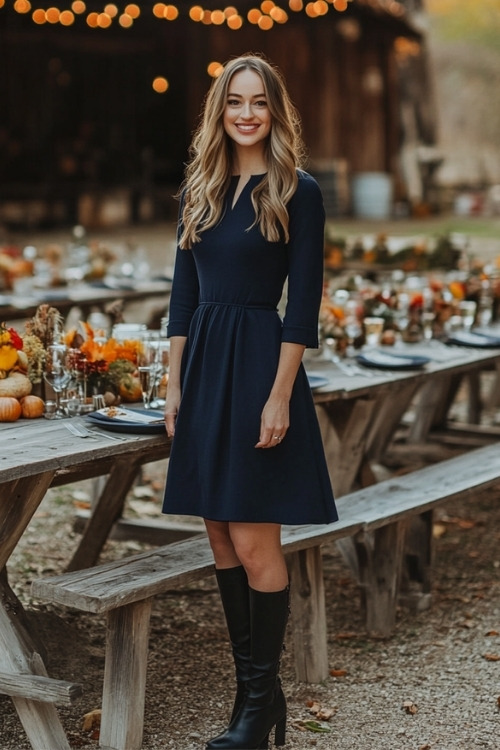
(246, 111)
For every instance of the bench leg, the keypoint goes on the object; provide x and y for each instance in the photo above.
(307, 602)
(418, 561)
(380, 555)
(125, 677)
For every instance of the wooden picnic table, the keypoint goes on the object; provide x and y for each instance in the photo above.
(358, 415)
(85, 296)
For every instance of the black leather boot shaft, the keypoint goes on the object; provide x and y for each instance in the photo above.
(264, 705)
(235, 598)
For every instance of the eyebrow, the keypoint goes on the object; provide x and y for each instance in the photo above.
(240, 96)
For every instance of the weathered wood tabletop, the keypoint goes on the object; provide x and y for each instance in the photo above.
(85, 296)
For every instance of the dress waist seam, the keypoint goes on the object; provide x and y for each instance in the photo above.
(270, 308)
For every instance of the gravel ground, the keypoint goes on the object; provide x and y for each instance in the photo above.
(434, 685)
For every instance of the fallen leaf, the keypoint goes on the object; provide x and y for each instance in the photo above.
(492, 632)
(92, 720)
(424, 747)
(338, 672)
(498, 701)
(81, 504)
(468, 624)
(320, 712)
(325, 714)
(410, 707)
(345, 636)
(492, 657)
(314, 726)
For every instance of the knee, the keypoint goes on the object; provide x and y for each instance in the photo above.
(253, 558)
(221, 545)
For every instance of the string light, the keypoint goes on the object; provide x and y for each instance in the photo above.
(214, 69)
(67, 18)
(125, 21)
(264, 16)
(22, 6)
(160, 85)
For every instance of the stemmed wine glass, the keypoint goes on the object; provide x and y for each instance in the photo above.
(57, 374)
(149, 366)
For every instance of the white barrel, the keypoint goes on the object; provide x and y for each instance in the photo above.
(372, 195)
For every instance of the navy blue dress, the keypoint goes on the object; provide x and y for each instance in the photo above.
(224, 299)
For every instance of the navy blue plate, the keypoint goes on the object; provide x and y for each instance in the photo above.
(474, 339)
(122, 425)
(317, 381)
(389, 361)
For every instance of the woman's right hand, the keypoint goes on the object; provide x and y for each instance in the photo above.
(171, 408)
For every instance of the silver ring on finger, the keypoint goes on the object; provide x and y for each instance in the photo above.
(277, 437)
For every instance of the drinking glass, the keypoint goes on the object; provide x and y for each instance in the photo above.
(373, 330)
(428, 325)
(149, 366)
(467, 313)
(57, 374)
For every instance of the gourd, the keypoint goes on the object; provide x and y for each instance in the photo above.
(32, 407)
(16, 385)
(10, 409)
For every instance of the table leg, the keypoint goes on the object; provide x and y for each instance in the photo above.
(344, 426)
(106, 511)
(20, 499)
(19, 654)
(432, 396)
(391, 407)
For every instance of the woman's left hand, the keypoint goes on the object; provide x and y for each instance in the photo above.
(274, 423)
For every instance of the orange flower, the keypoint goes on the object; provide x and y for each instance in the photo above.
(457, 288)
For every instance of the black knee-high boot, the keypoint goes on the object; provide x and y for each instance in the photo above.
(264, 705)
(235, 597)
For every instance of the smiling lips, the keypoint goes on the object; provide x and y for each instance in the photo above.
(247, 128)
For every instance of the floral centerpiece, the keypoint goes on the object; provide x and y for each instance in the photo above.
(106, 366)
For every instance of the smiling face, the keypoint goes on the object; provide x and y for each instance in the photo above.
(247, 119)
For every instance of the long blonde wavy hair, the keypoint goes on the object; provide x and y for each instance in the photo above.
(209, 170)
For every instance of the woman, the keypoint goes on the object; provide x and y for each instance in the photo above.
(247, 454)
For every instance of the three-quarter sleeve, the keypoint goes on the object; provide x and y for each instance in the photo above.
(185, 291)
(305, 263)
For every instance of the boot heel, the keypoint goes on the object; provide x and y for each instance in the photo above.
(280, 732)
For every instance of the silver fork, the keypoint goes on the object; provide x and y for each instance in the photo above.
(83, 432)
(78, 430)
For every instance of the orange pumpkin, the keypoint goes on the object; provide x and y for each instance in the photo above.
(130, 389)
(10, 409)
(32, 407)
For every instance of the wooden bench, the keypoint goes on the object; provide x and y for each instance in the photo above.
(376, 518)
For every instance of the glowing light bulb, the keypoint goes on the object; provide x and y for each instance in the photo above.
(214, 69)
(22, 6)
(67, 18)
(125, 21)
(254, 15)
(235, 22)
(196, 13)
(160, 84)
(265, 23)
(159, 10)
(52, 15)
(133, 10)
(171, 13)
